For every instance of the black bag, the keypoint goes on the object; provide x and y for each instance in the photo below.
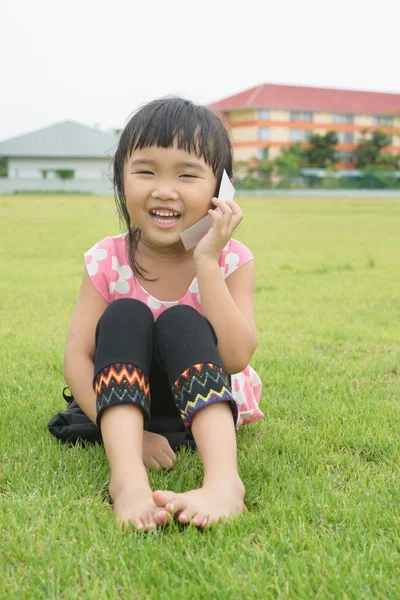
(74, 426)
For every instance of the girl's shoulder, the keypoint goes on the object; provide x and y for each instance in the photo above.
(101, 254)
(107, 261)
(234, 255)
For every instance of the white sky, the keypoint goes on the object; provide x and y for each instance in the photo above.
(95, 61)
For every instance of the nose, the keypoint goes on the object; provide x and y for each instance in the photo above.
(164, 190)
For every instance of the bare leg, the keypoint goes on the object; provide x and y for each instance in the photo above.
(122, 431)
(222, 492)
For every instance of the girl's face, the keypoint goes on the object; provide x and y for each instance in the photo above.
(166, 191)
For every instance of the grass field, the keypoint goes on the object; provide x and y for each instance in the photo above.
(322, 470)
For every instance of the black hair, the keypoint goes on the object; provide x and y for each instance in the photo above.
(162, 122)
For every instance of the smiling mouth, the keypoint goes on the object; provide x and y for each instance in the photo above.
(165, 218)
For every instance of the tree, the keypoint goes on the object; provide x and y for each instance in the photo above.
(321, 150)
(65, 173)
(369, 148)
(290, 160)
(255, 173)
(260, 170)
(3, 167)
(388, 161)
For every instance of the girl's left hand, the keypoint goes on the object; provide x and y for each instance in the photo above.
(221, 230)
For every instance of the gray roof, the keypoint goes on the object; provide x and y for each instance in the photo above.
(67, 139)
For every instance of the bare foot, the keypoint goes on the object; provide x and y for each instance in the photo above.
(206, 505)
(133, 503)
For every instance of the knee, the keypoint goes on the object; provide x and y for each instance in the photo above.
(181, 319)
(127, 308)
(176, 315)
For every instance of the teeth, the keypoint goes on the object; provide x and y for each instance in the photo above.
(164, 213)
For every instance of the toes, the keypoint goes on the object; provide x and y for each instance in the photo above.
(172, 502)
(138, 523)
(161, 517)
(188, 514)
(199, 519)
(148, 522)
(162, 497)
(207, 522)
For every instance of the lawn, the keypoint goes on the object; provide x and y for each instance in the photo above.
(322, 470)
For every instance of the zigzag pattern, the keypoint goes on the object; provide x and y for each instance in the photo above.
(122, 384)
(127, 397)
(200, 386)
(203, 377)
(117, 373)
(212, 398)
(199, 368)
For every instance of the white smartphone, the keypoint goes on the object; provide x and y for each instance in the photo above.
(193, 234)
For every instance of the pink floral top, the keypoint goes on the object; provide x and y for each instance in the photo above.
(108, 267)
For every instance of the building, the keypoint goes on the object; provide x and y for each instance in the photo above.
(280, 115)
(66, 156)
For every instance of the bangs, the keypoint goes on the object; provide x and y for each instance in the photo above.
(179, 122)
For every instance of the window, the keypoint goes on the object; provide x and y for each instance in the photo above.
(262, 153)
(343, 118)
(345, 137)
(304, 116)
(299, 135)
(263, 114)
(345, 157)
(263, 133)
(382, 120)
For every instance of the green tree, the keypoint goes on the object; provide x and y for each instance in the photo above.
(3, 167)
(65, 173)
(388, 161)
(260, 170)
(255, 173)
(321, 150)
(369, 148)
(289, 161)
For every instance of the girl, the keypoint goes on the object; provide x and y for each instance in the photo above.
(132, 359)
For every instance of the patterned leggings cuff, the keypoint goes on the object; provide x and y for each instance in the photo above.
(121, 383)
(200, 386)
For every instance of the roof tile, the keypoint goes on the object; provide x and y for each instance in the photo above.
(293, 97)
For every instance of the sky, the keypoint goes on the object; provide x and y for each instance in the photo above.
(96, 62)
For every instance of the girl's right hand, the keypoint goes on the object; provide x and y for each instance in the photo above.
(157, 453)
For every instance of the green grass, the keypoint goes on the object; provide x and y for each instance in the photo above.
(321, 470)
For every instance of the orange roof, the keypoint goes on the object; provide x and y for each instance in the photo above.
(295, 97)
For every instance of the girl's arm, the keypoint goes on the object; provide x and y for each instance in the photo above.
(80, 346)
(229, 307)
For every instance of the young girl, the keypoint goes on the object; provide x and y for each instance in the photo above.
(159, 332)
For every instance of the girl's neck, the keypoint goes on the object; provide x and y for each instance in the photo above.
(170, 254)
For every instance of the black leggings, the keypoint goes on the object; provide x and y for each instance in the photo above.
(170, 368)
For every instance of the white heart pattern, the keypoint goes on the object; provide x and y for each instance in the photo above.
(124, 273)
(194, 286)
(238, 381)
(153, 303)
(96, 254)
(231, 263)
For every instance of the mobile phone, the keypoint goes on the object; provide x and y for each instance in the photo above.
(193, 234)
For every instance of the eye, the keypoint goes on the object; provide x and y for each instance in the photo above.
(189, 175)
(145, 173)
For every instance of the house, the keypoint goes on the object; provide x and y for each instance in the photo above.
(66, 156)
(277, 116)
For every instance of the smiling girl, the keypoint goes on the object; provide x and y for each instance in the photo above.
(160, 332)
